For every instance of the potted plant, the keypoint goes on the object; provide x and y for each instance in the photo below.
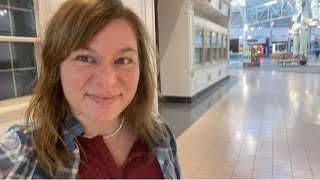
(303, 59)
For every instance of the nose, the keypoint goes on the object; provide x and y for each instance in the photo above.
(105, 75)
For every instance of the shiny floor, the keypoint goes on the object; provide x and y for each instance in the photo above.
(263, 124)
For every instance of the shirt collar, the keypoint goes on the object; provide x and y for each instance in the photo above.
(71, 130)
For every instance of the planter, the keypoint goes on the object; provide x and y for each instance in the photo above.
(303, 62)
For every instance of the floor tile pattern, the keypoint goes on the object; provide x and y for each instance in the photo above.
(265, 126)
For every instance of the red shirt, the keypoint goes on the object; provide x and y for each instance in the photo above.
(98, 162)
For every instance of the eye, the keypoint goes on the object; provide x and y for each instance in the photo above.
(122, 61)
(86, 59)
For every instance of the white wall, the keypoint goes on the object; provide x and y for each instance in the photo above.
(224, 6)
(46, 10)
(180, 77)
(145, 10)
(174, 48)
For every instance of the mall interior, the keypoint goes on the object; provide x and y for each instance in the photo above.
(239, 80)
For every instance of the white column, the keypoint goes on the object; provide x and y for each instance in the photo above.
(295, 35)
(304, 28)
(295, 29)
(245, 35)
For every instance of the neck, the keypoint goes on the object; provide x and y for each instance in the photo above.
(94, 128)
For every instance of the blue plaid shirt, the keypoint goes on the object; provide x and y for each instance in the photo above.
(17, 158)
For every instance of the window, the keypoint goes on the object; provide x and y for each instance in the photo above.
(213, 38)
(198, 45)
(17, 36)
(206, 45)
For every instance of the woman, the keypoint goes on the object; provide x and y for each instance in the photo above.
(92, 112)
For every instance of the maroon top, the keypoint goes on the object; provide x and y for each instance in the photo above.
(98, 162)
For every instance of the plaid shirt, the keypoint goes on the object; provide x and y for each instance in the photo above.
(17, 158)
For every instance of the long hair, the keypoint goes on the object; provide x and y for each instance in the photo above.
(70, 29)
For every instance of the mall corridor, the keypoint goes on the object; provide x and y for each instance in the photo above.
(265, 126)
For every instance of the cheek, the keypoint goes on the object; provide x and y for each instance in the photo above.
(71, 79)
(132, 81)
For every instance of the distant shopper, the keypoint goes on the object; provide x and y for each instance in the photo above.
(316, 49)
(92, 112)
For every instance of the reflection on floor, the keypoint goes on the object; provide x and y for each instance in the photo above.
(182, 116)
(265, 126)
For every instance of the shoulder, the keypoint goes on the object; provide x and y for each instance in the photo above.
(17, 134)
(168, 156)
(169, 136)
(13, 144)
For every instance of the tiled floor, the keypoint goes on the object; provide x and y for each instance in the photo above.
(265, 126)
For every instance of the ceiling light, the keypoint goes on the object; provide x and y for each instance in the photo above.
(1, 13)
(245, 27)
(272, 23)
(313, 22)
(270, 3)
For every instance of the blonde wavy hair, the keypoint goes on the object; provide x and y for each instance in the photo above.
(70, 29)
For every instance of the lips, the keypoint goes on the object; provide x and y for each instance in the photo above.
(103, 99)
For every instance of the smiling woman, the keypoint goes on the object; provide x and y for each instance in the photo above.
(92, 112)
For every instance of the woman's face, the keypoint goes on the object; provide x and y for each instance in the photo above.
(101, 80)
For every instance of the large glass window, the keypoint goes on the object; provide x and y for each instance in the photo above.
(17, 60)
(206, 54)
(197, 55)
(198, 37)
(4, 22)
(213, 38)
(206, 38)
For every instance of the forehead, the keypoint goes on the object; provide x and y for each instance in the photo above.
(118, 33)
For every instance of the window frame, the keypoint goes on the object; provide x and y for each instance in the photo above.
(16, 39)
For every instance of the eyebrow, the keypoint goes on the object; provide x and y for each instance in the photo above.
(128, 49)
(123, 50)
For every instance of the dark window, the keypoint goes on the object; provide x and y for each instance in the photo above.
(4, 22)
(3, 2)
(23, 23)
(5, 62)
(6, 84)
(22, 55)
(27, 4)
(25, 81)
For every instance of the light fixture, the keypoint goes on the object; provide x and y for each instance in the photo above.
(259, 28)
(5, 11)
(270, 3)
(296, 26)
(1, 13)
(245, 28)
(249, 37)
(252, 28)
(313, 22)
